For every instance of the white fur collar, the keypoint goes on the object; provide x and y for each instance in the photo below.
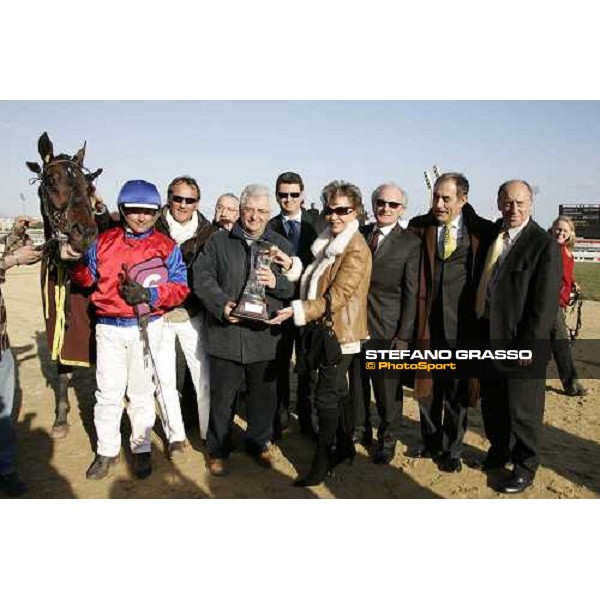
(334, 246)
(325, 249)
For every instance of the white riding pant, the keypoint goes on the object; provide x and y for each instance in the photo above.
(123, 370)
(192, 339)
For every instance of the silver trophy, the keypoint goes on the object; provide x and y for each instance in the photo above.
(253, 303)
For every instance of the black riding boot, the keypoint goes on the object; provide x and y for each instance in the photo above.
(321, 464)
(344, 447)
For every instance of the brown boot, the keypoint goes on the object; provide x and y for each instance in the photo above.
(218, 467)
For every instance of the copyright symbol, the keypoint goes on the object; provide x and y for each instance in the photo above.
(370, 365)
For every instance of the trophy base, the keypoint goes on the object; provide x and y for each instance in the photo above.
(251, 309)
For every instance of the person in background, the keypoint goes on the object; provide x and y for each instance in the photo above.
(454, 244)
(227, 211)
(13, 253)
(341, 269)
(182, 221)
(299, 227)
(392, 305)
(517, 302)
(563, 229)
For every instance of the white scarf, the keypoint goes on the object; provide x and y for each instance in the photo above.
(325, 249)
(182, 232)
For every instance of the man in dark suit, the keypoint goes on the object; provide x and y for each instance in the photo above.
(241, 349)
(299, 227)
(517, 301)
(454, 244)
(392, 305)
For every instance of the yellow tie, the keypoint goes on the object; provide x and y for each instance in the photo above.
(449, 242)
(488, 269)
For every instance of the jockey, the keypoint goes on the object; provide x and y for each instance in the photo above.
(138, 274)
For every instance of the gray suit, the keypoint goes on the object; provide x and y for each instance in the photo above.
(392, 305)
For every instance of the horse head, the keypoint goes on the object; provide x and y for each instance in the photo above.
(66, 193)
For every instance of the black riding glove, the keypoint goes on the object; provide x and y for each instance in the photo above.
(134, 293)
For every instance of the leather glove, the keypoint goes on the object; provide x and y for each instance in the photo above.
(134, 293)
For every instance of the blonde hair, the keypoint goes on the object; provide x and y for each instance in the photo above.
(570, 243)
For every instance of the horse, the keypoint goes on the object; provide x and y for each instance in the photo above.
(66, 193)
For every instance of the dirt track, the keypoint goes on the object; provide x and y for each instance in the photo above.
(56, 469)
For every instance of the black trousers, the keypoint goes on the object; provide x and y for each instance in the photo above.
(443, 417)
(560, 343)
(332, 395)
(360, 393)
(513, 412)
(388, 399)
(306, 381)
(261, 401)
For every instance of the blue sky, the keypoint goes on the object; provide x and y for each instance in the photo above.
(226, 144)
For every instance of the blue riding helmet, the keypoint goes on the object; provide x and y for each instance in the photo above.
(139, 193)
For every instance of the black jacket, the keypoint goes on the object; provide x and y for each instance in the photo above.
(524, 299)
(220, 274)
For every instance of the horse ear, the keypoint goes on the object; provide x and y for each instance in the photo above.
(45, 148)
(91, 176)
(78, 158)
(33, 166)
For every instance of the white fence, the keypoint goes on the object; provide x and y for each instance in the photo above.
(587, 250)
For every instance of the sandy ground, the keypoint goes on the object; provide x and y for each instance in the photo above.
(56, 469)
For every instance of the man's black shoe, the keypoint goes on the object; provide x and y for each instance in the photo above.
(575, 389)
(364, 437)
(489, 463)
(515, 484)
(12, 485)
(422, 452)
(384, 453)
(100, 467)
(449, 464)
(142, 465)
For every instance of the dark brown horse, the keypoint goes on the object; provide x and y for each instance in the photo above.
(66, 192)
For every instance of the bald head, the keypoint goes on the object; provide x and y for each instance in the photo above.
(515, 201)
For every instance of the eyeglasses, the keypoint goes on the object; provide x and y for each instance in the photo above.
(227, 209)
(381, 203)
(180, 199)
(340, 211)
(284, 195)
(263, 212)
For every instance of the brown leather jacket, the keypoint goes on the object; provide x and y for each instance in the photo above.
(345, 269)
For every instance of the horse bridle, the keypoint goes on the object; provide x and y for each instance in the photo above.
(54, 215)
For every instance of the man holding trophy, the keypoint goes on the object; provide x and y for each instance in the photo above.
(242, 279)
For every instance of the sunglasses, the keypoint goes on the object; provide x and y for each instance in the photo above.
(383, 203)
(340, 211)
(180, 199)
(284, 195)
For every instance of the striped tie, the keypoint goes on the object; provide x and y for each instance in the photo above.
(375, 240)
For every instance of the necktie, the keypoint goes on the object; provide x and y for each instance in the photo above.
(449, 242)
(294, 234)
(491, 262)
(375, 240)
